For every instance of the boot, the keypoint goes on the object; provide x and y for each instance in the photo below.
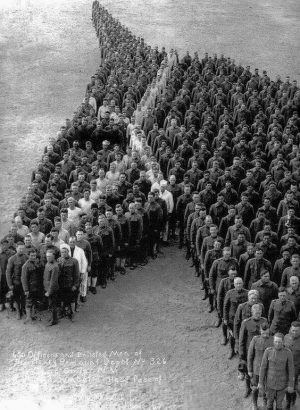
(232, 352)
(54, 320)
(225, 338)
(33, 312)
(19, 314)
(255, 398)
(211, 302)
(289, 399)
(205, 296)
(28, 316)
(248, 388)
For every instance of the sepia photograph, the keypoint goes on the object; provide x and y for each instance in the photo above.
(150, 204)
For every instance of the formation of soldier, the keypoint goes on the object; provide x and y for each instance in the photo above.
(199, 150)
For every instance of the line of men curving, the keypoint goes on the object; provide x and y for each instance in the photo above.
(202, 154)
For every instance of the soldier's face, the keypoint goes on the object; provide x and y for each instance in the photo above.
(265, 333)
(295, 331)
(278, 343)
(282, 296)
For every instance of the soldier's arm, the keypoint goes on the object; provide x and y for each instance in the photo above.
(228, 238)
(24, 278)
(271, 312)
(9, 270)
(284, 279)
(76, 274)
(251, 355)
(246, 275)
(291, 370)
(53, 280)
(89, 254)
(243, 342)
(263, 368)
(198, 240)
(226, 307)
(237, 323)
(212, 275)
(220, 298)
(293, 313)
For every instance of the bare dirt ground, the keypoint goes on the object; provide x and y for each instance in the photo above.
(145, 342)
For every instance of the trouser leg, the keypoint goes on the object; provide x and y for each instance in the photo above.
(83, 284)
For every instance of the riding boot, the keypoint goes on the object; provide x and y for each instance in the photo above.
(289, 398)
(54, 320)
(255, 398)
(205, 296)
(232, 352)
(248, 388)
(19, 311)
(28, 316)
(211, 302)
(225, 338)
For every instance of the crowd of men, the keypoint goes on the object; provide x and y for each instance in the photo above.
(200, 150)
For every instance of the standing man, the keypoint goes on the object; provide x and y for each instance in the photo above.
(282, 313)
(13, 278)
(277, 372)
(32, 280)
(233, 299)
(51, 286)
(250, 328)
(68, 279)
(292, 342)
(257, 347)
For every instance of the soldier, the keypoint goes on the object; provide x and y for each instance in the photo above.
(107, 236)
(32, 281)
(210, 257)
(244, 311)
(276, 372)
(293, 293)
(233, 299)
(225, 285)
(254, 267)
(125, 229)
(293, 270)
(68, 280)
(13, 277)
(218, 271)
(250, 328)
(254, 358)
(292, 342)
(282, 313)
(155, 215)
(51, 285)
(116, 228)
(5, 254)
(267, 290)
(96, 248)
(135, 223)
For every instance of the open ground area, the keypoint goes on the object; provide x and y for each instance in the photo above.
(162, 351)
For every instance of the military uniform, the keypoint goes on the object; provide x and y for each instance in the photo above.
(253, 269)
(51, 286)
(232, 300)
(256, 350)
(276, 374)
(281, 315)
(13, 277)
(293, 344)
(68, 278)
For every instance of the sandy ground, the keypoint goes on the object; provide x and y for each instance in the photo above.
(146, 341)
